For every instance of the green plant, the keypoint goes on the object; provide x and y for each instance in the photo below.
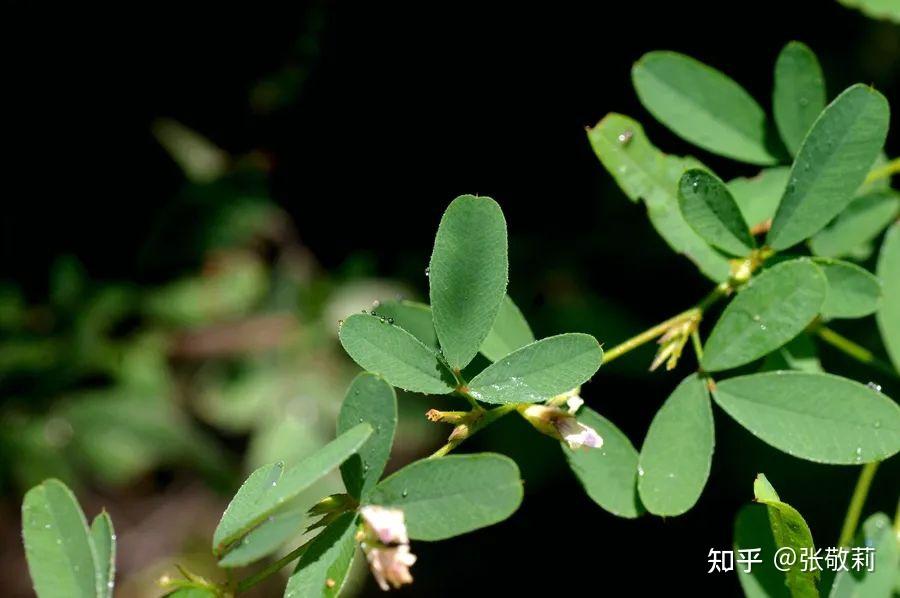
(473, 344)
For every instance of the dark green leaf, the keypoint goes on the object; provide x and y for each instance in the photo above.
(751, 530)
(876, 533)
(799, 94)
(817, 417)
(323, 567)
(510, 332)
(852, 291)
(711, 211)
(831, 165)
(703, 106)
(888, 315)
(449, 496)
(862, 221)
(539, 371)
(468, 275)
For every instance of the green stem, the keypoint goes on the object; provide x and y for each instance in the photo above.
(698, 346)
(263, 574)
(487, 418)
(885, 171)
(854, 510)
(854, 350)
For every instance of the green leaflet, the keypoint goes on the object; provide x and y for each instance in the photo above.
(413, 317)
(752, 530)
(372, 400)
(770, 310)
(704, 106)
(267, 492)
(265, 539)
(876, 533)
(467, 275)
(645, 173)
(394, 354)
(608, 474)
(103, 536)
(831, 165)
(677, 452)
(539, 371)
(708, 207)
(61, 555)
(510, 332)
(862, 221)
(789, 529)
(817, 417)
(877, 9)
(758, 196)
(800, 354)
(852, 291)
(323, 567)
(888, 315)
(453, 495)
(799, 94)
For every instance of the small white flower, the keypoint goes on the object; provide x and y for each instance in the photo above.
(390, 565)
(574, 403)
(388, 525)
(577, 434)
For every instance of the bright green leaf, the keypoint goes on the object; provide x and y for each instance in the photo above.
(831, 165)
(395, 354)
(789, 530)
(752, 531)
(862, 221)
(817, 417)
(704, 106)
(452, 495)
(645, 173)
(799, 94)
(510, 332)
(887, 10)
(539, 371)
(265, 539)
(372, 400)
(268, 491)
(852, 291)
(888, 315)
(323, 567)
(677, 453)
(876, 533)
(58, 546)
(774, 307)
(708, 207)
(413, 317)
(608, 474)
(758, 196)
(467, 275)
(103, 536)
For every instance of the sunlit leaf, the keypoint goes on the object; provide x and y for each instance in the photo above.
(413, 317)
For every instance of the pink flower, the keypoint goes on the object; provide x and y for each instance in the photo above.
(390, 565)
(577, 434)
(561, 425)
(388, 525)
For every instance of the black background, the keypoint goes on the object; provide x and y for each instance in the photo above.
(406, 106)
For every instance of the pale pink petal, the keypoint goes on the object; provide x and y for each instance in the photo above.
(388, 524)
(577, 435)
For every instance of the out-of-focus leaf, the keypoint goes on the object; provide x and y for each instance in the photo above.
(510, 332)
(799, 94)
(395, 354)
(817, 417)
(372, 400)
(323, 567)
(103, 536)
(752, 531)
(709, 208)
(770, 310)
(197, 156)
(645, 173)
(758, 196)
(888, 315)
(876, 533)
(862, 221)
(608, 474)
(539, 371)
(703, 106)
(677, 452)
(887, 10)
(452, 495)
(467, 275)
(61, 556)
(413, 317)
(831, 165)
(852, 291)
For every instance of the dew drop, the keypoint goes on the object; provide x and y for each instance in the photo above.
(625, 137)
(428, 271)
(391, 321)
(874, 386)
(383, 319)
(376, 304)
(640, 470)
(405, 493)
(365, 311)
(877, 424)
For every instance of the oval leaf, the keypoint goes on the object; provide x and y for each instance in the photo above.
(608, 474)
(758, 196)
(395, 355)
(58, 547)
(831, 165)
(413, 317)
(677, 453)
(645, 173)
(371, 400)
(711, 211)
(817, 417)
(703, 106)
(858, 225)
(888, 315)
(468, 275)
(539, 371)
(852, 291)
(510, 332)
(799, 94)
(453, 495)
(323, 567)
(772, 308)
(268, 491)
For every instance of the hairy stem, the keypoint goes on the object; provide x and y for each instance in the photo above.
(263, 574)
(851, 519)
(850, 348)
(487, 418)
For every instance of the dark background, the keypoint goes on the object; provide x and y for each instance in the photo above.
(400, 107)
